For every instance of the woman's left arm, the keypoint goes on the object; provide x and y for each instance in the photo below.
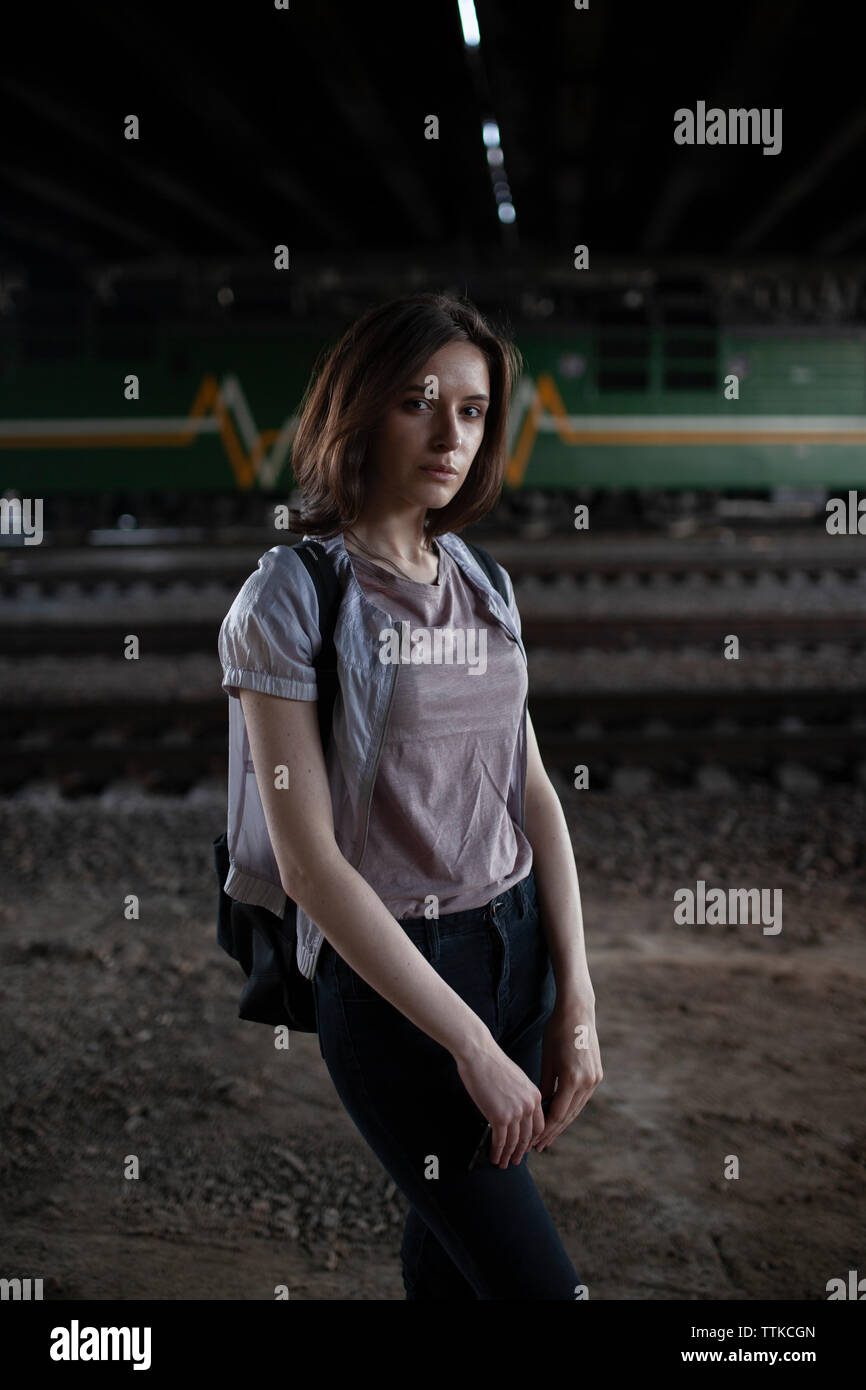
(570, 1049)
(556, 880)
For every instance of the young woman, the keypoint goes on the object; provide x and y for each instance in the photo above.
(439, 913)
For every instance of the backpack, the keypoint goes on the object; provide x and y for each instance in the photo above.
(263, 944)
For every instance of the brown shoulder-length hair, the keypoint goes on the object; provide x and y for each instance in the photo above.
(354, 383)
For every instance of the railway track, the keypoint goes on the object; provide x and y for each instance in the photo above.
(49, 572)
(168, 748)
(23, 634)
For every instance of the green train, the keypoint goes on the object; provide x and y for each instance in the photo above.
(601, 409)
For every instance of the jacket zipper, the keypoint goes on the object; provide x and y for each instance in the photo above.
(321, 939)
(376, 764)
(525, 760)
(520, 648)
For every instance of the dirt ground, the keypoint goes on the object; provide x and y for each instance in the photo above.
(120, 1038)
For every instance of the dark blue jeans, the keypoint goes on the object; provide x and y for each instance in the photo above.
(482, 1233)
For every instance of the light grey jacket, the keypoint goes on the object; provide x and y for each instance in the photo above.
(268, 641)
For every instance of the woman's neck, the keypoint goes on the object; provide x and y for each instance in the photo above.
(423, 567)
(393, 544)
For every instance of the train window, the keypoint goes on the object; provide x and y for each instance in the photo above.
(680, 345)
(689, 359)
(623, 354)
(623, 379)
(675, 380)
(619, 345)
(48, 343)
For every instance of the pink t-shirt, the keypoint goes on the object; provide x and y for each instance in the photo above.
(438, 819)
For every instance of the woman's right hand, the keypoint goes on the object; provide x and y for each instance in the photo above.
(506, 1096)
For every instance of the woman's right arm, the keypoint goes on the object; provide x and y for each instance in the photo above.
(353, 918)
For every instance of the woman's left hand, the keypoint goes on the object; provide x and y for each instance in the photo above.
(570, 1054)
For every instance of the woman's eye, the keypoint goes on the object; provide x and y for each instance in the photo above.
(421, 400)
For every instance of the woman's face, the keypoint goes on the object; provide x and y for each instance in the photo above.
(443, 429)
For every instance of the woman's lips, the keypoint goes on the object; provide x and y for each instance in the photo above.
(438, 472)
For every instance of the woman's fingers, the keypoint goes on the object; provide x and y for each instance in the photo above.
(534, 1127)
(567, 1104)
(523, 1132)
(572, 1110)
(555, 1115)
(501, 1144)
(523, 1137)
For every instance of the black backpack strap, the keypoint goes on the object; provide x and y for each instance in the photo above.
(324, 576)
(490, 567)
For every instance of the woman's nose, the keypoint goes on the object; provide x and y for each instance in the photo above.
(447, 432)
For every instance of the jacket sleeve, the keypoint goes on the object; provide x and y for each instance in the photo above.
(269, 639)
(512, 602)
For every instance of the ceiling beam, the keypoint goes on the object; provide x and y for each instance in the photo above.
(223, 122)
(115, 154)
(371, 121)
(53, 193)
(688, 172)
(803, 183)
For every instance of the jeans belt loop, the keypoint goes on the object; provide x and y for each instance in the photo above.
(431, 928)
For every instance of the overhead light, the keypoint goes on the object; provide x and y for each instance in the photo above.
(469, 23)
(490, 133)
(506, 212)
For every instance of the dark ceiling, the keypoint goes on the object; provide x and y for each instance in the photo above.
(306, 126)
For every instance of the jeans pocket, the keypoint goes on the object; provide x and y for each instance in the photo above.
(527, 1036)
